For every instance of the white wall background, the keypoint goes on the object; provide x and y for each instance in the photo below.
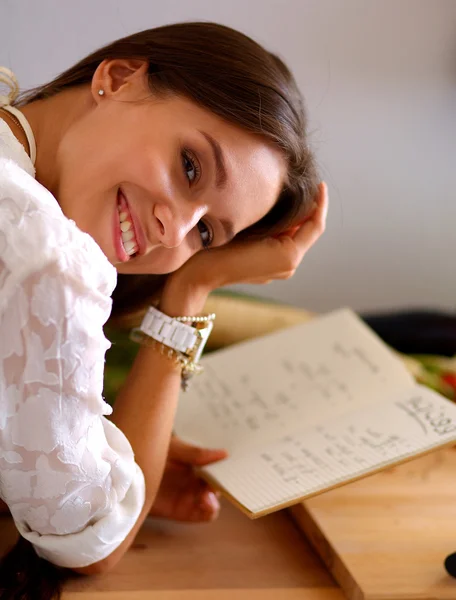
(379, 77)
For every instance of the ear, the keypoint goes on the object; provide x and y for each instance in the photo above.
(119, 77)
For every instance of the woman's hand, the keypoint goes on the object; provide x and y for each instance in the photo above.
(182, 495)
(251, 261)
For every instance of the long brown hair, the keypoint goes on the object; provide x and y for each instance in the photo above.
(231, 75)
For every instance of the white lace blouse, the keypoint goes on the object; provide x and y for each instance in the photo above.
(67, 473)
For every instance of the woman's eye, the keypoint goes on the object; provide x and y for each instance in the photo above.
(205, 234)
(191, 167)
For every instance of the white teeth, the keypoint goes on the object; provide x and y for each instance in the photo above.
(127, 235)
(130, 247)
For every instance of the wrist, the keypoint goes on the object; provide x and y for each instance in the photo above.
(180, 298)
(182, 339)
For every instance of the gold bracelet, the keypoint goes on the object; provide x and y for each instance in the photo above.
(146, 340)
(186, 367)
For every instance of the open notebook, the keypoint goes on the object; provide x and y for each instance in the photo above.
(307, 409)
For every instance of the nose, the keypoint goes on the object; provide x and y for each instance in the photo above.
(174, 225)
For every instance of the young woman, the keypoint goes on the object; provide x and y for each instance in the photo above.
(177, 158)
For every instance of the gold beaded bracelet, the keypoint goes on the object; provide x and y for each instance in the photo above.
(201, 319)
(186, 367)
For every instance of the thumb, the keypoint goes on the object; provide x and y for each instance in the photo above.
(194, 455)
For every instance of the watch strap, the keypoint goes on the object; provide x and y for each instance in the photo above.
(169, 331)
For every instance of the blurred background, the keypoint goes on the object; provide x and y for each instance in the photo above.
(379, 78)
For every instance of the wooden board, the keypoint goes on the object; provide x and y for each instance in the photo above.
(218, 594)
(386, 537)
(233, 557)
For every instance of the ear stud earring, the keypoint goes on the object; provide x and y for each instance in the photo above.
(101, 92)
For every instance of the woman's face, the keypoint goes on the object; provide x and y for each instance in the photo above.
(174, 176)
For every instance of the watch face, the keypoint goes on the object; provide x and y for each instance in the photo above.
(203, 336)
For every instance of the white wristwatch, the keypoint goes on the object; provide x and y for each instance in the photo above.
(186, 340)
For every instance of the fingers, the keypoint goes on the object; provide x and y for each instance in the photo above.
(210, 504)
(198, 502)
(269, 279)
(295, 247)
(204, 506)
(188, 454)
(313, 228)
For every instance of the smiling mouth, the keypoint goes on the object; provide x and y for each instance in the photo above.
(127, 230)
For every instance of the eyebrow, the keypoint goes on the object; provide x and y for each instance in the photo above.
(221, 177)
(220, 164)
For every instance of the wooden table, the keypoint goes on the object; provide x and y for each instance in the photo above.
(386, 537)
(232, 558)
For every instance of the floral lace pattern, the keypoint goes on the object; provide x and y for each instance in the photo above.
(67, 473)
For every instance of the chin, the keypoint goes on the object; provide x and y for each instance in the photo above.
(132, 269)
(145, 265)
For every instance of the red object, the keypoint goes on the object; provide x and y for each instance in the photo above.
(450, 379)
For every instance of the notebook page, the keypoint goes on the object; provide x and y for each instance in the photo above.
(260, 389)
(312, 460)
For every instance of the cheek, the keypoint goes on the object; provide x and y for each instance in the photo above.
(175, 258)
(85, 173)
(159, 262)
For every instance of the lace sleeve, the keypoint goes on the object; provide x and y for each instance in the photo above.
(67, 473)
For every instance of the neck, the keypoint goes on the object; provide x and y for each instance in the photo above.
(50, 119)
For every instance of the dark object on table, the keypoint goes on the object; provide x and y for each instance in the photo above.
(416, 331)
(450, 564)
